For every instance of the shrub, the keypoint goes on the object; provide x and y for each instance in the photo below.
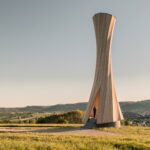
(74, 116)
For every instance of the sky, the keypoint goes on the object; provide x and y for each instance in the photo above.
(48, 50)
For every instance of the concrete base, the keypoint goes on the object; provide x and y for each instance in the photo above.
(111, 124)
(91, 123)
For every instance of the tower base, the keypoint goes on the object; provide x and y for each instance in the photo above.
(111, 124)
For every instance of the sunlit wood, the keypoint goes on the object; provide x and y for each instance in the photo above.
(103, 94)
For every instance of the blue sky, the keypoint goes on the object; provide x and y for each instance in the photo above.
(48, 50)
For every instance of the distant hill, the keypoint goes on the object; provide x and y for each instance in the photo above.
(53, 108)
(140, 107)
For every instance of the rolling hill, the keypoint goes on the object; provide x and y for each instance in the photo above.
(140, 107)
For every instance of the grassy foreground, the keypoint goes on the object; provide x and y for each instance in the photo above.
(126, 138)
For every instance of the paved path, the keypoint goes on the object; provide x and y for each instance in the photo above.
(61, 131)
(12, 130)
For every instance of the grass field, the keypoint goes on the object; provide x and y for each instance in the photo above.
(126, 138)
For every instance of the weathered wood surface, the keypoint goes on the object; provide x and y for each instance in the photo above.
(103, 94)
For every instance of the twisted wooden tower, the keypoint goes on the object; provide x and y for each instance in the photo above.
(103, 95)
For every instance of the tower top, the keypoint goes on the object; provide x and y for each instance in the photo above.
(104, 14)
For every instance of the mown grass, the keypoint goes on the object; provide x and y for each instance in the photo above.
(138, 137)
(48, 142)
(126, 138)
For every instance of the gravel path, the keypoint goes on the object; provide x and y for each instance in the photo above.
(60, 131)
(12, 130)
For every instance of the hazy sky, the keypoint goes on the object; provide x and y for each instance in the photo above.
(48, 50)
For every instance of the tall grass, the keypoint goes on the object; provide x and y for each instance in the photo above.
(126, 138)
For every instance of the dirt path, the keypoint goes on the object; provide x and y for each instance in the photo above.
(84, 132)
(12, 130)
(61, 131)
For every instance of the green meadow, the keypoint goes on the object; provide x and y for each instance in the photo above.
(124, 138)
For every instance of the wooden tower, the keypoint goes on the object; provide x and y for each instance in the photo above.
(103, 95)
